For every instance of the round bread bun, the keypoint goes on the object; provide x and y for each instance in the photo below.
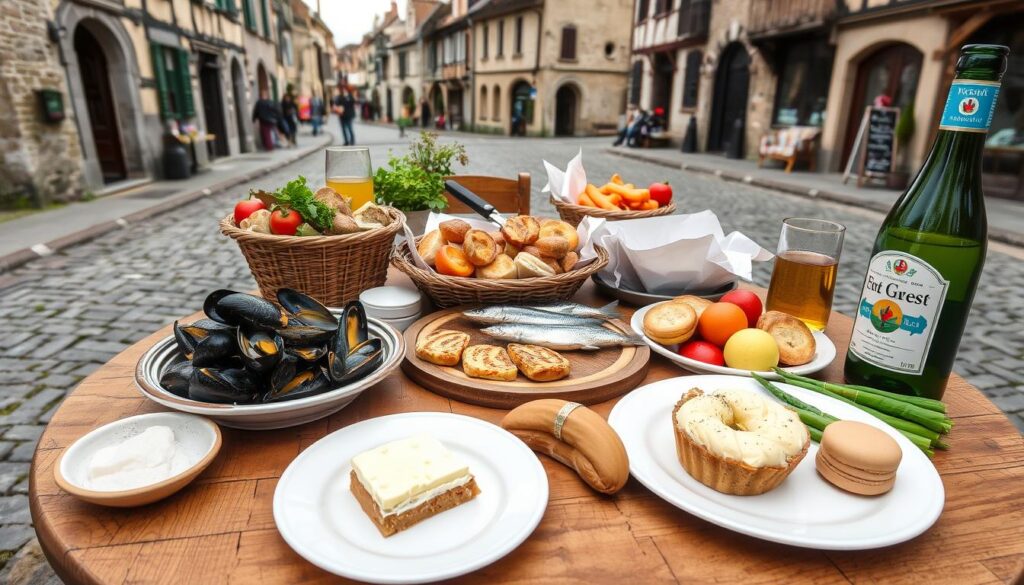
(499, 240)
(557, 227)
(553, 246)
(521, 230)
(528, 266)
(502, 268)
(569, 262)
(454, 230)
(479, 247)
(429, 246)
(698, 303)
(793, 336)
(670, 323)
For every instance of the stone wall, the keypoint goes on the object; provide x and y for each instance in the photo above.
(38, 160)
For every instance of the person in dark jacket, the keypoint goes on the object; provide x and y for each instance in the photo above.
(290, 118)
(345, 108)
(316, 113)
(265, 113)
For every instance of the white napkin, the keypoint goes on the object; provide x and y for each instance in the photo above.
(671, 254)
(568, 184)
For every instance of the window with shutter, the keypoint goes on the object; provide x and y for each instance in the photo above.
(266, 18)
(188, 107)
(501, 38)
(248, 16)
(519, 36)
(643, 7)
(691, 81)
(160, 75)
(635, 80)
(568, 43)
(484, 41)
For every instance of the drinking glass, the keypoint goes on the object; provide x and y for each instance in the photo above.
(349, 173)
(804, 278)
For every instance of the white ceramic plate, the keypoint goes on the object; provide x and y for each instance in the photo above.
(319, 517)
(826, 352)
(804, 510)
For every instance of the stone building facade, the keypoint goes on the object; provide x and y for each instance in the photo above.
(39, 160)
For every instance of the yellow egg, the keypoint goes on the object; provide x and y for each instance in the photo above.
(751, 349)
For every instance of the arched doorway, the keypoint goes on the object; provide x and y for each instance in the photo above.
(408, 102)
(732, 80)
(522, 107)
(262, 81)
(93, 65)
(892, 70)
(661, 90)
(437, 98)
(567, 102)
(213, 103)
(241, 107)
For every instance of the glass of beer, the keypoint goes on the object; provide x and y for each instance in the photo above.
(349, 173)
(804, 277)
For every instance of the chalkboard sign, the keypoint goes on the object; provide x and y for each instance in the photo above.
(874, 150)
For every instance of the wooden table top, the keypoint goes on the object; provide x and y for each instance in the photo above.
(221, 528)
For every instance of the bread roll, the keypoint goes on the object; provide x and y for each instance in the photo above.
(670, 322)
(503, 267)
(454, 230)
(553, 247)
(521, 230)
(479, 247)
(429, 246)
(528, 266)
(794, 338)
(557, 227)
(569, 262)
(698, 303)
(588, 444)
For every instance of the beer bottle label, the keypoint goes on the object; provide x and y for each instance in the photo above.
(899, 309)
(969, 106)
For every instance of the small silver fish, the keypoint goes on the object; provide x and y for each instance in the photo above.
(525, 316)
(609, 311)
(556, 337)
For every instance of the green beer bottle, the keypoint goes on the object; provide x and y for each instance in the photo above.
(930, 250)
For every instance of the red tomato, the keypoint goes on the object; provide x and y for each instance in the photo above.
(702, 351)
(748, 301)
(661, 192)
(719, 321)
(284, 222)
(244, 209)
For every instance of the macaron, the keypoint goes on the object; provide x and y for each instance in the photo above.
(858, 458)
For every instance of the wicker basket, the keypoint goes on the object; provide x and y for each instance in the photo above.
(574, 214)
(331, 269)
(447, 291)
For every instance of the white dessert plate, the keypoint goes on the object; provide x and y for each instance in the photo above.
(823, 356)
(805, 510)
(319, 517)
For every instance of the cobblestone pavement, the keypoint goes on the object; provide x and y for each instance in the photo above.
(63, 316)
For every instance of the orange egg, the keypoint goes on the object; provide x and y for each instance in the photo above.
(719, 321)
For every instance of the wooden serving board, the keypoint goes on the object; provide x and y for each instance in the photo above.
(596, 376)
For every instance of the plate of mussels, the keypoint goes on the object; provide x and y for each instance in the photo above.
(251, 364)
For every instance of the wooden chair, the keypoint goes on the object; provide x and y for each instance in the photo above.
(510, 196)
(790, 145)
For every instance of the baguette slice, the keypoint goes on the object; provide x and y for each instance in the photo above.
(489, 362)
(443, 347)
(537, 363)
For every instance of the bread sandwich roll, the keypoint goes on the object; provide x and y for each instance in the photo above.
(537, 363)
(489, 362)
(443, 347)
(528, 266)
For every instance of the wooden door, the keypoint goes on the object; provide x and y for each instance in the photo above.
(732, 81)
(213, 103)
(661, 94)
(892, 70)
(241, 113)
(565, 111)
(92, 63)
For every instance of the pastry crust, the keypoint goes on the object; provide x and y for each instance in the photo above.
(793, 336)
(388, 525)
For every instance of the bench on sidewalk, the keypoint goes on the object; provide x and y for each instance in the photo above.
(790, 145)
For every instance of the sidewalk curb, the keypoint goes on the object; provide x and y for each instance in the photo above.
(994, 233)
(23, 256)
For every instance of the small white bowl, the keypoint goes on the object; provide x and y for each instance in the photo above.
(198, 438)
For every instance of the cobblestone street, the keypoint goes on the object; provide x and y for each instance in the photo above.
(63, 316)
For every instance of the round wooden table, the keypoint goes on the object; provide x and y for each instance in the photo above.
(221, 528)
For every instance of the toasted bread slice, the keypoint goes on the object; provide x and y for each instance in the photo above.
(443, 347)
(794, 337)
(537, 363)
(489, 362)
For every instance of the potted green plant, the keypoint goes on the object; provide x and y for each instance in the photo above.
(414, 183)
(900, 176)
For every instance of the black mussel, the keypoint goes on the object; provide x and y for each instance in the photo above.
(363, 359)
(306, 310)
(189, 336)
(175, 378)
(243, 309)
(186, 343)
(223, 386)
(303, 335)
(356, 328)
(304, 384)
(310, 353)
(215, 348)
(260, 349)
(284, 371)
(208, 325)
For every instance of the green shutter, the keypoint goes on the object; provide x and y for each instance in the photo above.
(266, 19)
(160, 75)
(229, 6)
(188, 107)
(250, 21)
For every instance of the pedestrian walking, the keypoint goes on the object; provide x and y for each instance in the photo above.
(424, 113)
(316, 113)
(290, 118)
(345, 108)
(265, 113)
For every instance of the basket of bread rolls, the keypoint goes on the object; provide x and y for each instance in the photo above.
(529, 259)
(616, 200)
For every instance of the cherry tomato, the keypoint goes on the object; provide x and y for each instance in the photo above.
(245, 208)
(719, 321)
(748, 301)
(661, 192)
(284, 222)
(702, 351)
(452, 261)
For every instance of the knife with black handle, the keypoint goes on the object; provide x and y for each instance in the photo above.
(474, 202)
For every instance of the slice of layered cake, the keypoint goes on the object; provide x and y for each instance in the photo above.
(404, 482)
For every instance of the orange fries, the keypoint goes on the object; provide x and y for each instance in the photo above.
(617, 195)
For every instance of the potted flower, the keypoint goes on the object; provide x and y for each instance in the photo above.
(900, 176)
(414, 183)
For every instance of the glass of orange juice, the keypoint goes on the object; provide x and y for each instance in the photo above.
(348, 172)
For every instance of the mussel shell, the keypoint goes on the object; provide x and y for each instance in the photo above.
(175, 379)
(363, 359)
(242, 309)
(356, 327)
(306, 310)
(304, 335)
(185, 342)
(235, 386)
(261, 350)
(214, 349)
(309, 353)
(284, 371)
(305, 383)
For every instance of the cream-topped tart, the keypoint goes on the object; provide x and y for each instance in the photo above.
(404, 482)
(736, 441)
